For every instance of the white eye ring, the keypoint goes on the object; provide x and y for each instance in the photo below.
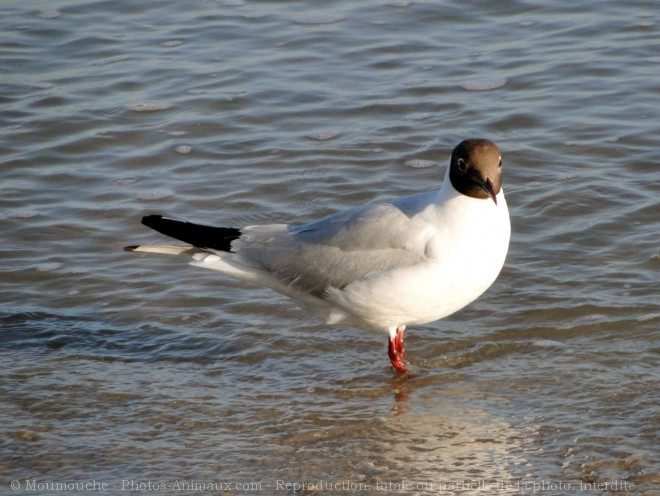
(461, 164)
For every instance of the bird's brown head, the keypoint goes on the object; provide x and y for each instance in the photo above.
(476, 169)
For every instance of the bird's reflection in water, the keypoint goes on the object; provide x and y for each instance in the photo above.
(403, 386)
(401, 397)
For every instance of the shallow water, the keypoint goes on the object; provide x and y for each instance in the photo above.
(139, 371)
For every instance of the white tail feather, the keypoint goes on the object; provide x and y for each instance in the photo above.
(166, 249)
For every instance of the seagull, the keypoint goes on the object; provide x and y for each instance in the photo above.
(382, 266)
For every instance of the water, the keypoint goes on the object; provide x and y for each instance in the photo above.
(140, 372)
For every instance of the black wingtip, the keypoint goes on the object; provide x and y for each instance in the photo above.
(131, 248)
(214, 238)
(151, 220)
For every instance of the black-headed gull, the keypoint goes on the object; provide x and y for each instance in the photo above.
(385, 265)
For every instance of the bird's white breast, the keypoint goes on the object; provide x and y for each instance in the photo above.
(464, 257)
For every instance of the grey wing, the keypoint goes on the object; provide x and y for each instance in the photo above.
(338, 249)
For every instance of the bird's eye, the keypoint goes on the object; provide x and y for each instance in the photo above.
(500, 162)
(461, 165)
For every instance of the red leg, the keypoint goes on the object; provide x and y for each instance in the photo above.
(397, 351)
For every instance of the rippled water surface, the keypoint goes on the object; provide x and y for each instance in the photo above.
(141, 372)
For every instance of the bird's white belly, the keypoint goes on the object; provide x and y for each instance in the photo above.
(416, 296)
